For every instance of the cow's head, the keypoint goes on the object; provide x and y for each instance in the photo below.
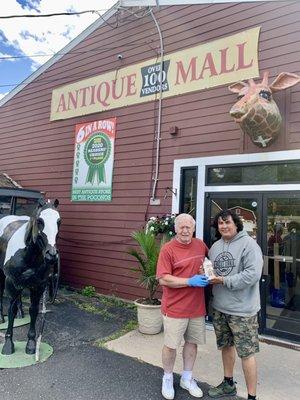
(43, 228)
(256, 111)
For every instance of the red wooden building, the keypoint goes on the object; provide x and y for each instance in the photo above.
(204, 158)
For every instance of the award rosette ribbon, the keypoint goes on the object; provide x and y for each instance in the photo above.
(96, 152)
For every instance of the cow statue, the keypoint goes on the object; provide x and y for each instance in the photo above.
(27, 256)
(256, 111)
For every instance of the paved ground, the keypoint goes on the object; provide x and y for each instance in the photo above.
(278, 367)
(79, 369)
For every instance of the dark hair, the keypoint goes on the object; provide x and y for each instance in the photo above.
(224, 214)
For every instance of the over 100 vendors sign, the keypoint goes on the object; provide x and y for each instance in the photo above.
(93, 161)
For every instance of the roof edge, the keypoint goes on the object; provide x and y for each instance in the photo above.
(90, 29)
(10, 180)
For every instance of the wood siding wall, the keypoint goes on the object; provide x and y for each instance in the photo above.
(39, 153)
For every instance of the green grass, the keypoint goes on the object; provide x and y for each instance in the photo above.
(130, 326)
(95, 310)
(113, 301)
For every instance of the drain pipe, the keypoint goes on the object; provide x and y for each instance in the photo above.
(153, 199)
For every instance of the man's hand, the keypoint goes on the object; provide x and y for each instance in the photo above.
(198, 281)
(216, 280)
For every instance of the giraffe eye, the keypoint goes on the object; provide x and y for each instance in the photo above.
(240, 96)
(265, 95)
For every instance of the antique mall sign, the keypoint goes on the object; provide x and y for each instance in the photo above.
(93, 160)
(207, 65)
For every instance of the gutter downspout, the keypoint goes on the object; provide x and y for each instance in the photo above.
(153, 199)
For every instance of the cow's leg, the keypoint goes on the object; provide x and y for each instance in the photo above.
(20, 312)
(2, 284)
(14, 294)
(35, 296)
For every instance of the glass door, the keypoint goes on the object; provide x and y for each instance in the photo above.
(247, 205)
(273, 220)
(282, 264)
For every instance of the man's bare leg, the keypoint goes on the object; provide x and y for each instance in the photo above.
(250, 373)
(189, 355)
(228, 357)
(168, 359)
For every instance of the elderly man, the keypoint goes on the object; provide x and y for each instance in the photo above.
(237, 261)
(183, 304)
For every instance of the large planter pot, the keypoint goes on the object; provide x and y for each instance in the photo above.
(149, 318)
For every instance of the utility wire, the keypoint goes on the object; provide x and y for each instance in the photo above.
(24, 83)
(45, 81)
(134, 45)
(50, 15)
(4, 58)
(93, 51)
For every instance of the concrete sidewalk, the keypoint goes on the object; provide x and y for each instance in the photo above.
(278, 367)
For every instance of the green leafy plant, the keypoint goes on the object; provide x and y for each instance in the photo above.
(147, 257)
(88, 291)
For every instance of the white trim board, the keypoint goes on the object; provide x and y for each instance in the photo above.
(202, 162)
(153, 3)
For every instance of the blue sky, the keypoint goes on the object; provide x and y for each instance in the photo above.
(35, 40)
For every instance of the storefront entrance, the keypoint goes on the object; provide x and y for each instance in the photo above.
(273, 220)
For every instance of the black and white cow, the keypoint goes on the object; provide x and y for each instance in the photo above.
(27, 256)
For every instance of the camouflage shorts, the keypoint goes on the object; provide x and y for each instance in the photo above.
(241, 332)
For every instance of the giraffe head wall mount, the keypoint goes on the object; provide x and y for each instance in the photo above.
(256, 111)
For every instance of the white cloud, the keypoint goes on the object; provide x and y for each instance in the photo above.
(31, 36)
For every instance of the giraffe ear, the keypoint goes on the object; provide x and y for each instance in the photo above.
(237, 87)
(283, 81)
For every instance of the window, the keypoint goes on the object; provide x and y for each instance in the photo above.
(5, 205)
(254, 174)
(25, 206)
(188, 196)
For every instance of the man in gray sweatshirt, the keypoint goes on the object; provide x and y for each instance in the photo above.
(237, 261)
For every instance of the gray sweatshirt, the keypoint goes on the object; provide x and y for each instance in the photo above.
(240, 263)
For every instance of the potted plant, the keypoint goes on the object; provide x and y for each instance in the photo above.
(148, 309)
(162, 227)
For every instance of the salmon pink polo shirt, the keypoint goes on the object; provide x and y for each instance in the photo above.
(184, 261)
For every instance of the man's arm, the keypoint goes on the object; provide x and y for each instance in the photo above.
(165, 277)
(173, 281)
(177, 282)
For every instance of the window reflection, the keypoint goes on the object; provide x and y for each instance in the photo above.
(283, 250)
(25, 206)
(254, 174)
(5, 205)
(189, 191)
(245, 208)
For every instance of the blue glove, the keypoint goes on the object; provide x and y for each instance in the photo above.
(198, 281)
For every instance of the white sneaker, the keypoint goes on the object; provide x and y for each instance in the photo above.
(191, 386)
(167, 389)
